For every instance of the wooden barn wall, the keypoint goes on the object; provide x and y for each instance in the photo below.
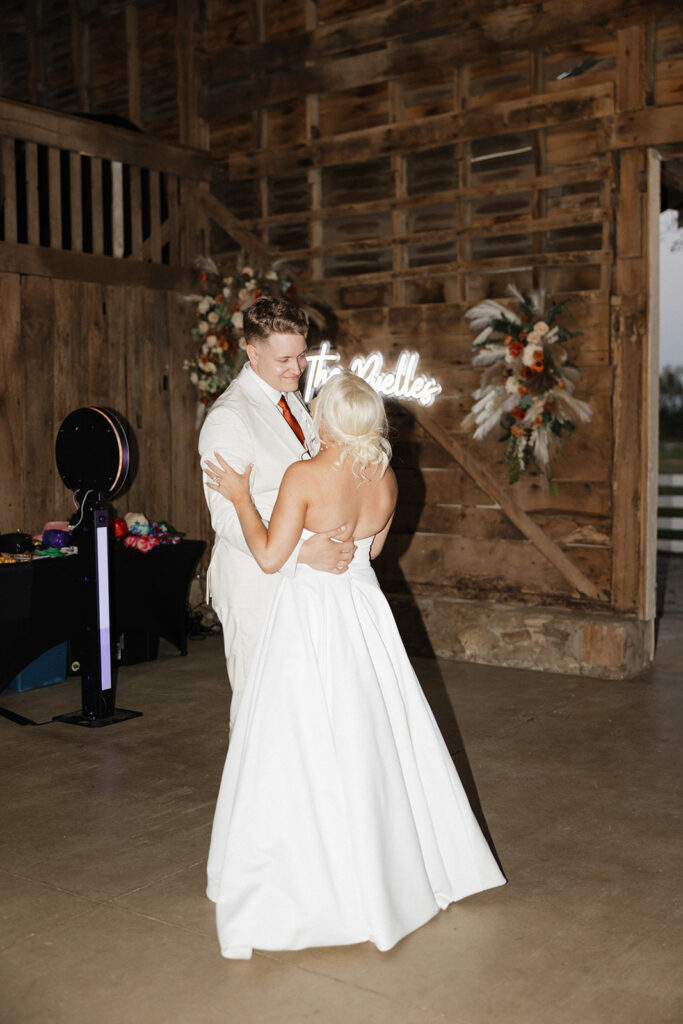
(67, 344)
(412, 165)
(410, 159)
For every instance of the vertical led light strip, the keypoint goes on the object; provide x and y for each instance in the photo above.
(102, 556)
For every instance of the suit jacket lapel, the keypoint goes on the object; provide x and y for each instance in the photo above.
(270, 415)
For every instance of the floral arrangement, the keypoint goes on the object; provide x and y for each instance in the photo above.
(217, 334)
(527, 387)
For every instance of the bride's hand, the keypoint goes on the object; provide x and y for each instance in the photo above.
(226, 481)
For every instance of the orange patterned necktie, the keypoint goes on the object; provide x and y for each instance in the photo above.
(291, 419)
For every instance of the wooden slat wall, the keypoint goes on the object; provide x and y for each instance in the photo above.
(68, 344)
(411, 157)
(411, 175)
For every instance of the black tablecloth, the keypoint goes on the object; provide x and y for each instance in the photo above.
(40, 601)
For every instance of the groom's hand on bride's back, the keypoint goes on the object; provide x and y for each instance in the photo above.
(328, 552)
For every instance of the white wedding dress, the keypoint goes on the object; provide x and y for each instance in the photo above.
(340, 817)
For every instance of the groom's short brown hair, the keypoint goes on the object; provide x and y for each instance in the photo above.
(269, 316)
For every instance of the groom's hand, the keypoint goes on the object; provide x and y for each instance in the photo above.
(328, 552)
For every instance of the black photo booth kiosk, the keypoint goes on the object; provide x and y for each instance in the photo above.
(93, 458)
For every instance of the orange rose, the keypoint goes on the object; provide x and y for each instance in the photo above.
(547, 407)
(202, 276)
(538, 366)
(258, 292)
(506, 341)
(516, 349)
(517, 431)
(518, 413)
(522, 390)
(538, 421)
(522, 335)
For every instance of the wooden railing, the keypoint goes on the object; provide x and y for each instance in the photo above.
(84, 199)
(670, 513)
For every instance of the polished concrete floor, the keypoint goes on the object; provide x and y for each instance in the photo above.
(105, 834)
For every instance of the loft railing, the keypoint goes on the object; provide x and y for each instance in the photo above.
(75, 192)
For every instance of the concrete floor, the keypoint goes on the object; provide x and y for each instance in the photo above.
(102, 856)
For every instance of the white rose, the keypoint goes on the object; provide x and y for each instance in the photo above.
(237, 320)
(248, 270)
(242, 294)
(531, 355)
(194, 378)
(271, 276)
(243, 344)
(511, 384)
(541, 327)
(533, 338)
(212, 318)
(211, 340)
(226, 293)
(202, 326)
(204, 306)
(201, 385)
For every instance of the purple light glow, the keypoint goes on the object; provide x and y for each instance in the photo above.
(102, 553)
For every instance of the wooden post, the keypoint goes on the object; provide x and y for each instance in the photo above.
(32, 217)
(55, 197)
(9, 191)
(76, 200)
(117, 209)
(634, 348)
(80, 56)
(133, 62)
(315, 176)
(96, 205)
(191, 22)
(135, 214)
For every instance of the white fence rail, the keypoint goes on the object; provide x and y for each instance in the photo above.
(670, 526)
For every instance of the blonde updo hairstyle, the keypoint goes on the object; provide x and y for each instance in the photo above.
(349, 413)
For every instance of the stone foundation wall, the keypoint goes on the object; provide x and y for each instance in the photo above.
(605, 646)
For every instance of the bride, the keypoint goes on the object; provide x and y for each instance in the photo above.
(340, 817)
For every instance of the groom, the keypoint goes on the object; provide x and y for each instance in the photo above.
(261, 419)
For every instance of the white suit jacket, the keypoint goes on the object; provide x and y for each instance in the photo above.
(245, 426)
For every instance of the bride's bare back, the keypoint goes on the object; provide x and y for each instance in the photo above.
(335, 494)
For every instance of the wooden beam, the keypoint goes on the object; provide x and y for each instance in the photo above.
(24, 121)
(484, 27)
(234, 227)
(133, 65)
(32, 69)
(584, 173)
(500, 227)
(501, 263)
(503, 497)
(9, 190)
(44, 262)
(587, 103)
(80, 56)
(653, 126)
(191, 22)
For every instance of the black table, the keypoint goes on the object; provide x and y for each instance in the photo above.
(40, 601)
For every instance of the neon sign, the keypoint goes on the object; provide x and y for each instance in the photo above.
(404, 382)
